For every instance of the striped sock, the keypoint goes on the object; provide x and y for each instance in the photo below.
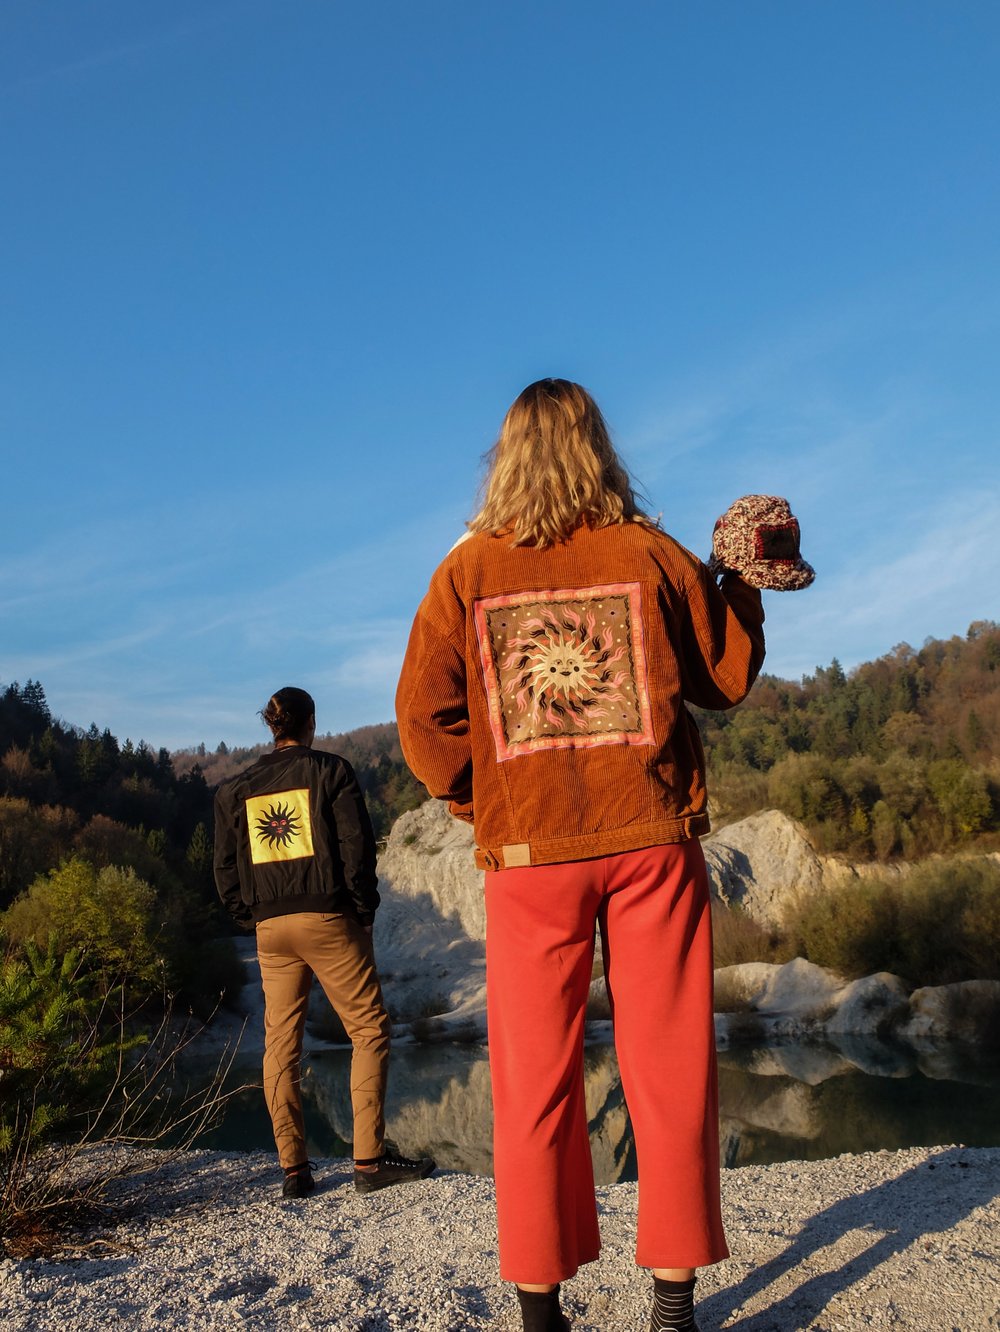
(673, 1306)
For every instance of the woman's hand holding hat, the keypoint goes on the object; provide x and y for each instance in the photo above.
(758, 538)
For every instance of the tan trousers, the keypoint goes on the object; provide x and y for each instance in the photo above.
(334, 948)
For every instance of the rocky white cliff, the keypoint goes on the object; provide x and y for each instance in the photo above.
(430, 852)
(763, 864)
(430, 942)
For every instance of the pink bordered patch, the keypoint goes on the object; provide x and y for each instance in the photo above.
(564, 669)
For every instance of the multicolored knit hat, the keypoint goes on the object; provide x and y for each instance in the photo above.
(758, 538)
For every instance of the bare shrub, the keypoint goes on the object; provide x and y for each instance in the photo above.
(937, 925)
(738, 938)
(57, 1165)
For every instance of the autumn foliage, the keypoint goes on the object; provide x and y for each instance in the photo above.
(899, 758)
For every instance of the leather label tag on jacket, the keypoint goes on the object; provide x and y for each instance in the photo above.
(516, 855)
(280, 826)
(565, 669)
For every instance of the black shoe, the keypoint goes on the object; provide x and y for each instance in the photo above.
(298, 1183)
(392, 1170)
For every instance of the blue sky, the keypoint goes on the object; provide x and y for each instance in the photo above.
(273, 270)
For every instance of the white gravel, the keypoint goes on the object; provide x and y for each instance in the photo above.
(900, 1240)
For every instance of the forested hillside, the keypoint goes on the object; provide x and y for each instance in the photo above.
(85, 789)
(110, 934)
(110, 851)
(900, 757)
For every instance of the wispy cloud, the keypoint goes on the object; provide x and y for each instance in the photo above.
(119, 53)
(900, 528)
(935, 586)
(75, 654)
(122, 633)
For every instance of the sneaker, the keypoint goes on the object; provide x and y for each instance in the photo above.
(392, 1170)
(299, 1183)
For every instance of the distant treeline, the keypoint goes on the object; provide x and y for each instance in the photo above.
(82, 786)
(899, 757)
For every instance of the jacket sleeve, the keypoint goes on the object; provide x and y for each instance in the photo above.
(722, 640)
(226, 860)
(432, 713)
(357, 842)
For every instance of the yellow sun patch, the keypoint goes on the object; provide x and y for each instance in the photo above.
(280, 826)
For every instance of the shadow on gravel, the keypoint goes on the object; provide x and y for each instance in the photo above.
(929, 1198)
(153, 1188)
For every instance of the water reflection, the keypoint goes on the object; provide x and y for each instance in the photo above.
(810, 1103)
(791, 1102)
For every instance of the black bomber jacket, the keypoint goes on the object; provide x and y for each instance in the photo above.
(292, 834)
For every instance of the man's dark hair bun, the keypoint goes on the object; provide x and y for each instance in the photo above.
(288, 712)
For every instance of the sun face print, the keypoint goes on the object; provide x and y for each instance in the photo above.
(278, 825)
(563, 664)
(564, 668)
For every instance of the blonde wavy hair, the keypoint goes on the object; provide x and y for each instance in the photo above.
(553, 466)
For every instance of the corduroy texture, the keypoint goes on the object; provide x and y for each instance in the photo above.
(653, 911)
(758, 537)
(559, 728)
(291, 949)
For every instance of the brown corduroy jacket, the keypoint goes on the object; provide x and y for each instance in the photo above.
(543, 691)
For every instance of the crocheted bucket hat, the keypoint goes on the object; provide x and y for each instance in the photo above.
(758, 537)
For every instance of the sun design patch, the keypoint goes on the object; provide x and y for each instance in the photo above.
(565, 669)
(280, 826)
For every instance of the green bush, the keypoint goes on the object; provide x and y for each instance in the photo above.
(154, 943)
(52, 1056)
(32, 838)
(74, 1078)
(938, 924)
(105, 915)
(102, 842)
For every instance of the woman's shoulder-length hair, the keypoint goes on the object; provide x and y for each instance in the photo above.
(552, 467)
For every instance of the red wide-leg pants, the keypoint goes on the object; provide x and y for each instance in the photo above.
(652, 908)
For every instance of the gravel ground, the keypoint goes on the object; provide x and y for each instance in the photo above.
(901, 1240)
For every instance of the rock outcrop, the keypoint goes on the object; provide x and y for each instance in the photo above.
(766, 866)
(763, 864)
(968, 1011)
(429, 853)
(800, 1001)
(430, 943)
(430, 930)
